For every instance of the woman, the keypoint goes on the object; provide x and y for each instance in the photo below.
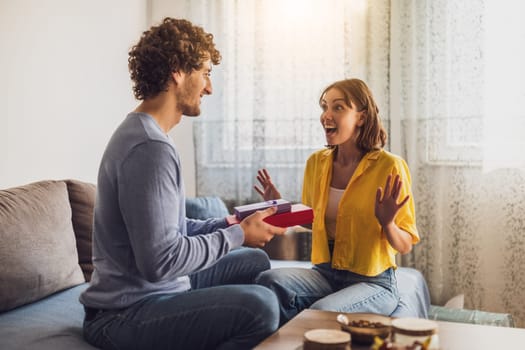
(359, 226)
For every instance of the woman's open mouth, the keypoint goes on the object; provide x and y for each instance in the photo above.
(329, 131)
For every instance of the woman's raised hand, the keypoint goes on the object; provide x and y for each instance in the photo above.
(386, 206)
(268, 190)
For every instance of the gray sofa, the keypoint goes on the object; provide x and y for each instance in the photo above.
(45, 263)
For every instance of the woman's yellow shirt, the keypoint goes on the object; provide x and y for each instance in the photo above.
(360, 244)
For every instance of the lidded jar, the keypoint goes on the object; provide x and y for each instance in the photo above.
(406, 331)
(326, 339)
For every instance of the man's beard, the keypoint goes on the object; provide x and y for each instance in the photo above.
(189, 110)
(187, 103)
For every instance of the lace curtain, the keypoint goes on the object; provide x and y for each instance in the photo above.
(446, 85)
(470, 205)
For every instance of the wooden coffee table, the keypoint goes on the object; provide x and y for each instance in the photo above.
(452, 336)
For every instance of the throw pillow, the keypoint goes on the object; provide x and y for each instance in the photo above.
(38, 254)
(82, 199)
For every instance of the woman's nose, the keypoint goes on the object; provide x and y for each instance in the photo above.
(325, 116)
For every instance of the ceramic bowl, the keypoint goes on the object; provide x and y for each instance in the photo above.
(363, 327)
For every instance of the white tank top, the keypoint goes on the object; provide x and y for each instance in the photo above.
(330, 218)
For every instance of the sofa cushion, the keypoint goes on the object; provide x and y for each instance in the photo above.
(82, 199)
(52, 323)
(38, 254)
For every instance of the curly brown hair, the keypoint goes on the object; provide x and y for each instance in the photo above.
(372, 135)
(174, 45)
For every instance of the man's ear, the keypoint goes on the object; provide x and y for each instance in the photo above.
(178, 77)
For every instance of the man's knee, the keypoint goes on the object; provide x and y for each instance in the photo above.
(267, 278)
(261, 258)
(253, 256)
(263, 303)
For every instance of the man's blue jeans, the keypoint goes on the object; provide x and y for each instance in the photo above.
(324, 288)
(220, 312)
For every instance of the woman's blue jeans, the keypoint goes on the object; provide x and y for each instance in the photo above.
(325, 288)
(221, 311)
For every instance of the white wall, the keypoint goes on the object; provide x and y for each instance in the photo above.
(64, 84)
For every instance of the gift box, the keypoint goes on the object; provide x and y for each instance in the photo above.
(243, 211)
(299, 214)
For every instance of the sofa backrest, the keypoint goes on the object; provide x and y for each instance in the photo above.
(203, 208)
(46, 232)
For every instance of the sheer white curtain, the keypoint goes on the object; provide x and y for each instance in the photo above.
(278, 55)
(470, 204)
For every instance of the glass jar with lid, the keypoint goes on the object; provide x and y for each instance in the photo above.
(407, 331)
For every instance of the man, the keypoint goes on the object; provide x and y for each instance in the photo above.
(163, 281)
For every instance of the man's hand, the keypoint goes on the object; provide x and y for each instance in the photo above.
(268, 190)
(257, 232)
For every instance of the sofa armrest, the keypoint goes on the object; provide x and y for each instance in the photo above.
(441, 313)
